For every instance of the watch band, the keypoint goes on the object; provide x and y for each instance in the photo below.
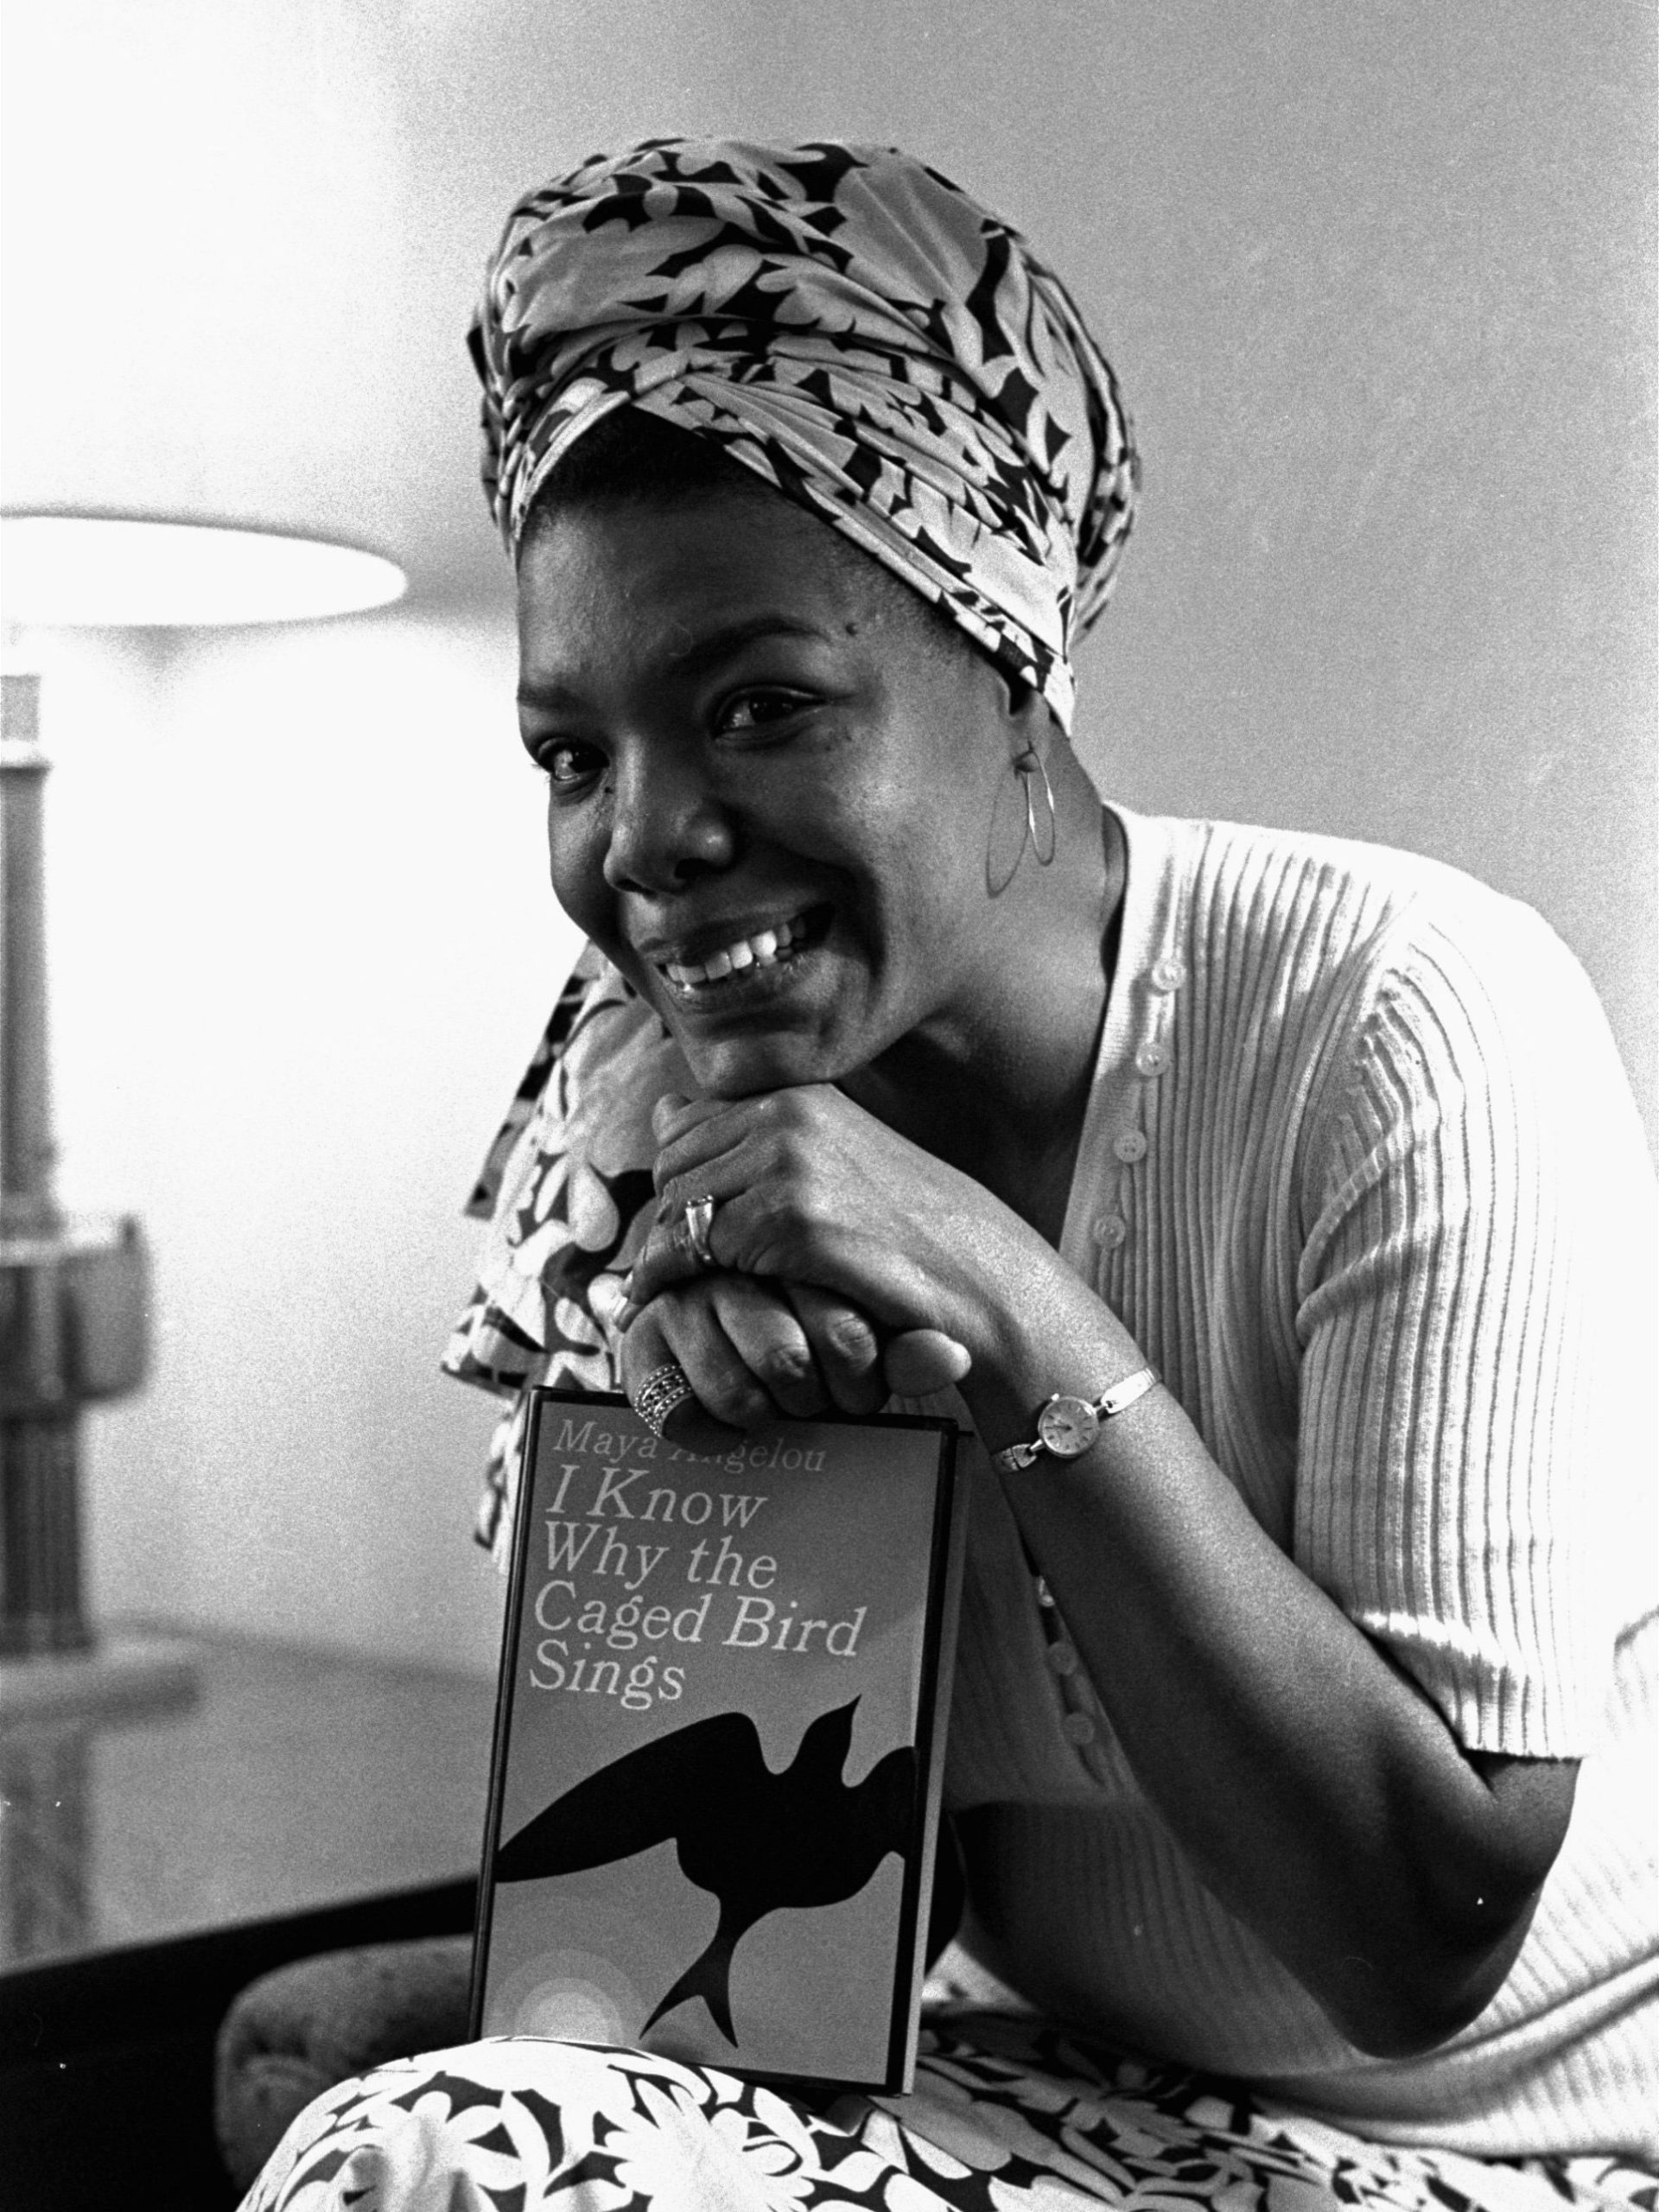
(1067, 1427)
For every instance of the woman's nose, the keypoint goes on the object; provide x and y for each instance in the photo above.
(667, 827)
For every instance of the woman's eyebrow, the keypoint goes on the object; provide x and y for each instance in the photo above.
(694, 659)
(708, 651)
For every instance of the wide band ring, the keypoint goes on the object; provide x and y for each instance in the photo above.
(698, 1215)
(664, 1389)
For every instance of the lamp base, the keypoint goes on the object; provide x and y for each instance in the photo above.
(126, 1673)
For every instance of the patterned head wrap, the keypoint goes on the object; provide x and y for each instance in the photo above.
(853, 328)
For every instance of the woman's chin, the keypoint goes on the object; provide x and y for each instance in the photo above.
(772, 1032)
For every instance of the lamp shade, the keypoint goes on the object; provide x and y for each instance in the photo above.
(122, 571)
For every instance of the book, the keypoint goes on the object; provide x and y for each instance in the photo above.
(714, 1796)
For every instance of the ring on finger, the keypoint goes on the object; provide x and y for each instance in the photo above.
(698, 1215)
(664, 1389)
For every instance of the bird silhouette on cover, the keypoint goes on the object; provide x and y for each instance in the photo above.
(757, 1840)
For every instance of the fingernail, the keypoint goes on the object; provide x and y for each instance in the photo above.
(608, 1296)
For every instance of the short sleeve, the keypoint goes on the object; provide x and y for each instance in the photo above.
(1479, 1254)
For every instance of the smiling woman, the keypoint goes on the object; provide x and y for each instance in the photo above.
(714, 675)
(1296, 1734)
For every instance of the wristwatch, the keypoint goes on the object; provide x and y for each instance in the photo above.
(1067, 1427)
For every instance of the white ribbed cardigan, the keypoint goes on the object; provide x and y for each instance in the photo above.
(1362, 1175)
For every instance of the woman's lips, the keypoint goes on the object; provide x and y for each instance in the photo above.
(722, 966)
(757, 952)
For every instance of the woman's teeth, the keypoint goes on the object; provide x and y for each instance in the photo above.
(758, 951)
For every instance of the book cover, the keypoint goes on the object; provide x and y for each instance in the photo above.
(713, 1798)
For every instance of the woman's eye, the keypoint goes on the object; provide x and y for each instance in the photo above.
(565, 763)
(759, 710)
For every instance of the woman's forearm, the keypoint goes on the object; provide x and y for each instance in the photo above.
(1320, 1795)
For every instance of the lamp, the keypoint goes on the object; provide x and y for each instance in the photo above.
(148, 572)
(73, 1289)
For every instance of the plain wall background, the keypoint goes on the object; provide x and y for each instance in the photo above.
(1377, 280)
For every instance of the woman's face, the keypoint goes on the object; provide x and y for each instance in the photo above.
(769, 783)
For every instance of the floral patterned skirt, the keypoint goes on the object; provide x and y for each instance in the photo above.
(1008, 2115)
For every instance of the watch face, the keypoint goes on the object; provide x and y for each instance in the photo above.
(1068, 1427)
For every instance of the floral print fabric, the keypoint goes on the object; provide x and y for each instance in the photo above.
(567, 1188)
(853, 327)
(1008, 2115)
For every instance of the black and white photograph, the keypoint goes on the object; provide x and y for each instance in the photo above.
(728, 725)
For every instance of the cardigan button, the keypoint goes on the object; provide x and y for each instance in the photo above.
(1130, 1147)
(1168, 973)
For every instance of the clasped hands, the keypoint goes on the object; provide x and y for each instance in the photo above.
(817, 1298)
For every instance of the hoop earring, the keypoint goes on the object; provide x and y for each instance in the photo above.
(1022, 768)
(996, 886)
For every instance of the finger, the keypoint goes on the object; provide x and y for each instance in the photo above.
(645, 1350)
(666, 1112)
(668, 1260)
(729, 1396)
(669, 1257)
(607, 1296)
(692, 1136)
(689, 1425)
(917, 1362)
(682, 1125)
(658, 1268)
(845, 1346)
(762, 1327)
